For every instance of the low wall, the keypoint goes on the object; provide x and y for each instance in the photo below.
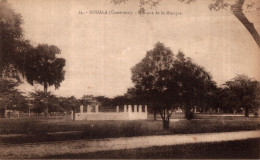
(137, 115)
(101, 116)
(128, 114)
(110, 116)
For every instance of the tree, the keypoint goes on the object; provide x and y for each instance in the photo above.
(10, 97)
(45, 102)
(120, 100)
(243, 92)
(41, 101)
(168, 81)
(151, 77)
(227, 101)
(54, 104)
(193, 84)
(70, 103)
(38, 64)
(235, 7)
(42, 66)
(11, 36)
(104, 101)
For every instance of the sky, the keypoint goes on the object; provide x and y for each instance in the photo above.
(101, 49)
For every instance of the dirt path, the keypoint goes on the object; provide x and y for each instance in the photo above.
(84, 146)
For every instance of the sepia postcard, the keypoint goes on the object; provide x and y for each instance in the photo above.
(129, 79)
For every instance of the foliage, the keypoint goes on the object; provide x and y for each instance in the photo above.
(242, 92)
(42, 66)
(17, 55)
(120, 101)
(11, 34)
(194, 85)
(104, 101)
(13, 47)
(168, 81)
(44, 102)
(70, 103)
(151, 77)
(227, 100)
(10, 97)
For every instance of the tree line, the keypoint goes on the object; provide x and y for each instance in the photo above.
(166, 81)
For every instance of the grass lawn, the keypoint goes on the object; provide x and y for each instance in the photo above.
(243, 149)
(36, 130)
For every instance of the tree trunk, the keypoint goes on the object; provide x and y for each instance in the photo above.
(74, 114)
(45, 84)
(1, 70)
(246, 112)
(166, 124)
(46, 111)
(1, 63)
(154, 114)
(2, 112)
(238, 12)
(165, 119)
(188, 113)
(29, 111)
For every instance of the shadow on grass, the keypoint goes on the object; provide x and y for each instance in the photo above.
(243, 149)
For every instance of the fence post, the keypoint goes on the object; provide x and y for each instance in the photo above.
(96, 109)
(129, 108)
(135, 108)
(146, 112)
(140, 109)
(81, 108)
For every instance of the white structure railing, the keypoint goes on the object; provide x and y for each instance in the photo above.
(128, 114)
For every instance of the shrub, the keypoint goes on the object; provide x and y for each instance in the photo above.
(189, 115)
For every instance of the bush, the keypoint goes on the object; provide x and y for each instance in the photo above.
(189, 115)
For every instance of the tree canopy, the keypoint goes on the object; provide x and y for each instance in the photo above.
(169, 81)
(42, 66)
(194, 84)
(17, 55)
(71, 103)
(10, 97)
(242, 93)
(11, 35)
(45, 102)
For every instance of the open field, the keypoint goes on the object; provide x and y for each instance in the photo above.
(242, 149)
(33, 130)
